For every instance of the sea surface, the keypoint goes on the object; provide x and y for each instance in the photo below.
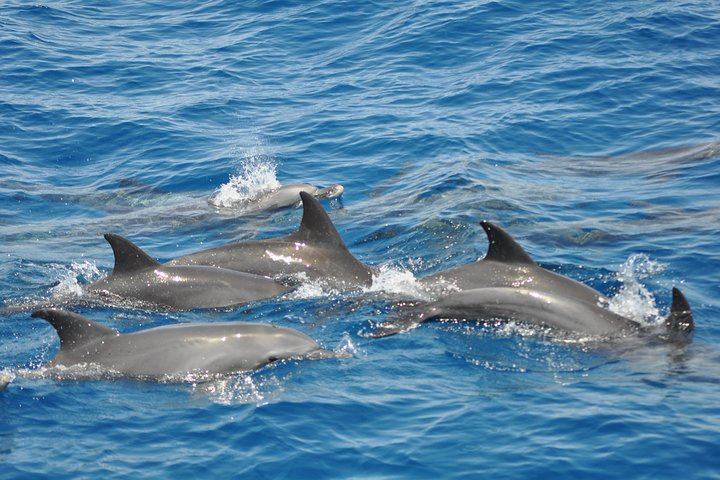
(587, 129)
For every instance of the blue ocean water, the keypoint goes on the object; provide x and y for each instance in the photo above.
(587, 129)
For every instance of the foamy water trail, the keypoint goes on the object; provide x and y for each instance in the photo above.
(256, 173)
(634, 300)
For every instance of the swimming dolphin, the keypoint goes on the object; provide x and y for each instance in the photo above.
(176, 350)
(139, 277)
(281, 197)
(506, 264)
(289, 195)
(536, 307)
(315, 250)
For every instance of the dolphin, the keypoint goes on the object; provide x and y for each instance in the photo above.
(315, 251)
(282, 197)
(176, 350)
(556, 311)
(289, 195)
(137, 276)
(507, 264)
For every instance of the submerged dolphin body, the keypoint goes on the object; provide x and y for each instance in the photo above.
(506, 264)
(538, 308)
(139, 277)
(176, 350)
(315, 251)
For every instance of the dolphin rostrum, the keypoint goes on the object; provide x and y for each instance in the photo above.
(139, 277)
(506, 264)
(176, 350)
(546, 309)
(315, 251)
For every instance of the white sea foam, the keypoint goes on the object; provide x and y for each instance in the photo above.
(307, 289)
(255, 174)
(71, 279)
(634, 300)
(396, 280)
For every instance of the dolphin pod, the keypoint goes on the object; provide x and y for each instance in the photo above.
(176, 350)
(508, 284)
(136, 276)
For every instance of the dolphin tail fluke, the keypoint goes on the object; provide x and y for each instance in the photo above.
(680, 320)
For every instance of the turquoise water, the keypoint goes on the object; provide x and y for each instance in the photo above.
(128, 117)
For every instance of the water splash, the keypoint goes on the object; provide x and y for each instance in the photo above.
(306, 288)
(396, 280)
(634, 300)
(346, 346)
(70, 279)
(256, 174)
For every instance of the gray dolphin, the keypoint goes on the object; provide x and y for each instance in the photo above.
(506, 264)
(538, 308)
(286, 196)
(315, 250)
(176, 350)
(289, 195)
(139, 277)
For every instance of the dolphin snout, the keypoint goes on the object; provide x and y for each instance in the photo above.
(331, 192)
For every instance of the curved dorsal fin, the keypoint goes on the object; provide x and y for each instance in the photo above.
(316, 226)
(73, 329)
(503, 248)
(680, 318)
(128, 256)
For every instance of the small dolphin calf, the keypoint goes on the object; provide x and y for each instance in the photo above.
(538, 308)
(139, 277)
(176, 350)
(289, 195)
(281, 197)
(506, 264)
(316, 251)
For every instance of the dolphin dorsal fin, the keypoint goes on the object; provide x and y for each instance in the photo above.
(128, 256)
(73, 329)
(316, 226)
(503, 248)
(680, 319)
